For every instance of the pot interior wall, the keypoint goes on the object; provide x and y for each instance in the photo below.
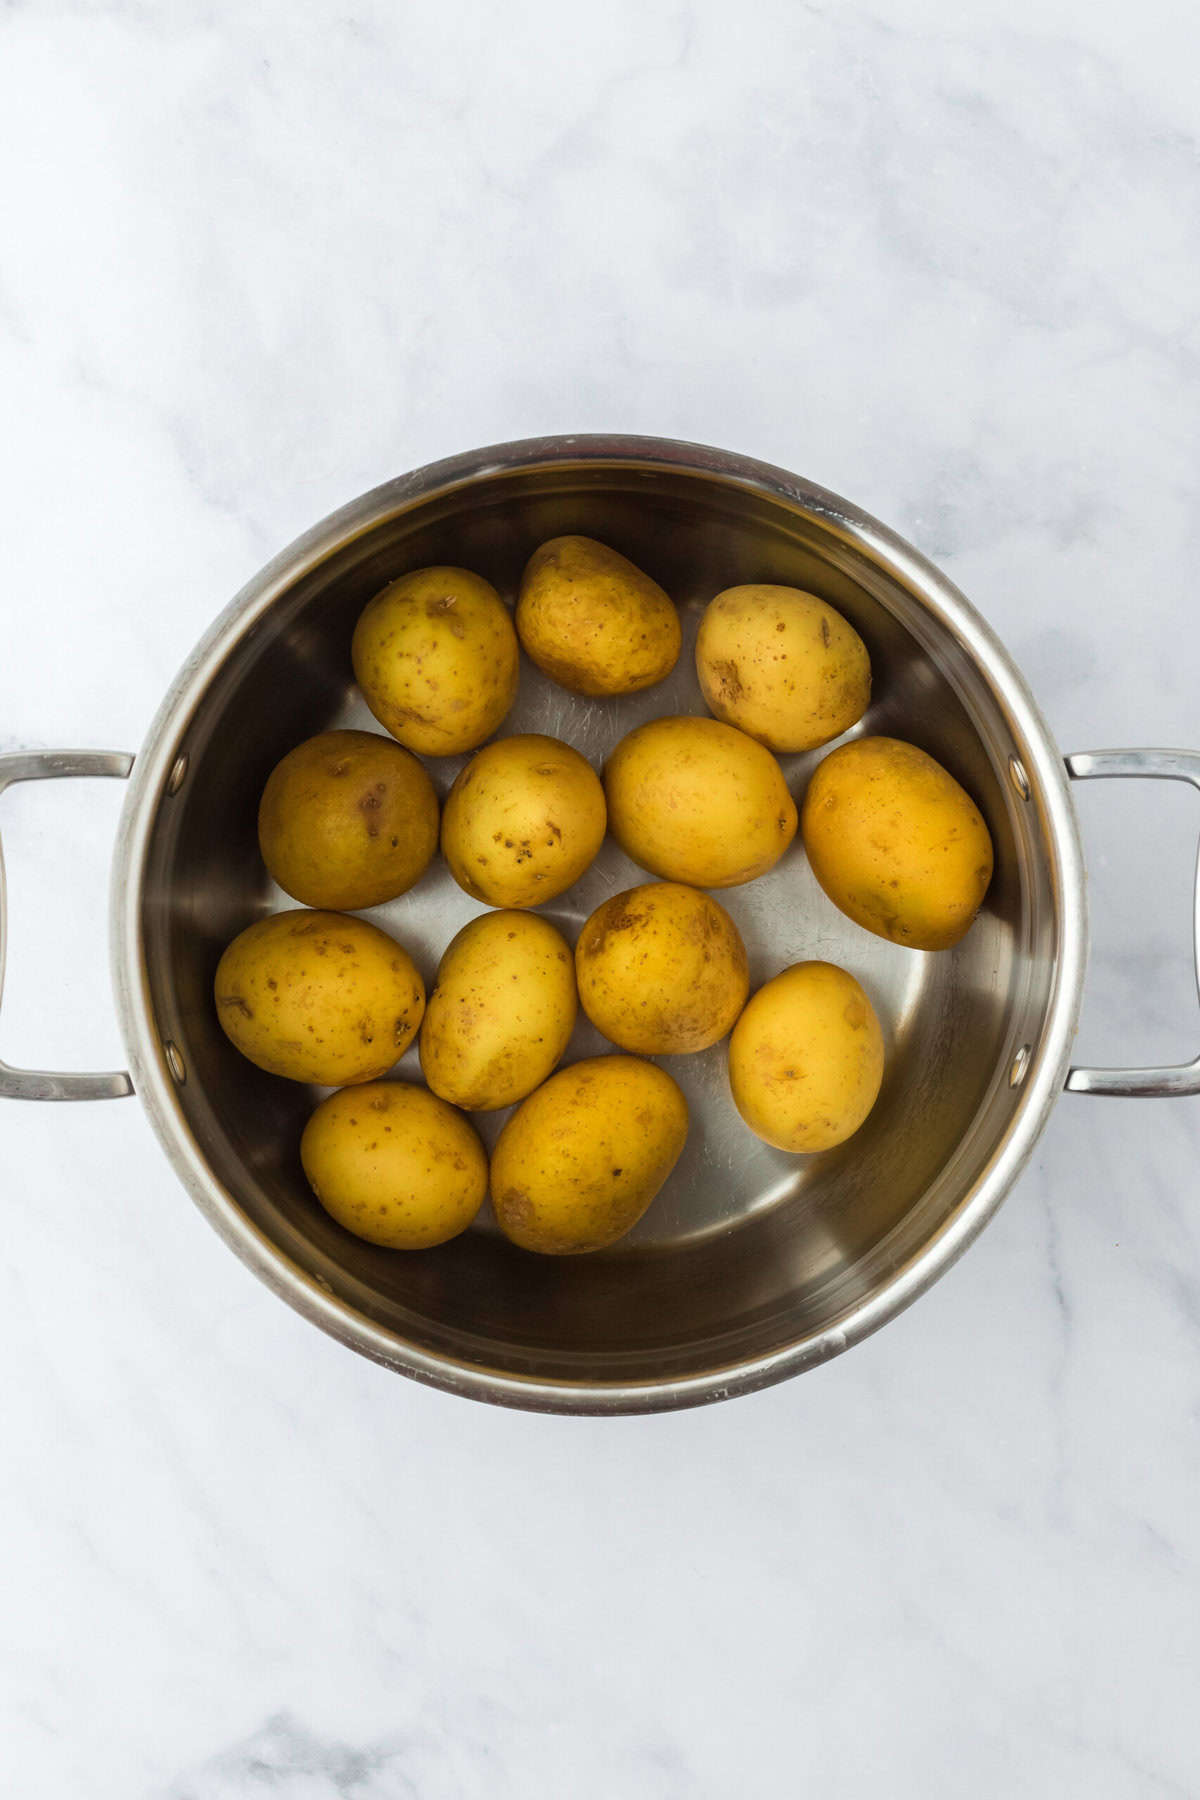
(747, 1250)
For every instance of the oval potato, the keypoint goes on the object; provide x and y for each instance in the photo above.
(395, 1165)
(580, 1161)
(592, 621)
(782, 665)
(662, 969)
(436, 657)
(896, 843)
(318, 996)
(523, 820)
(806, 1058)
(347, 820)
(501, 1012)
(696, 801)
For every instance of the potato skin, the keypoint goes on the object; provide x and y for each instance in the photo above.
(580, 1161)
(662, 969)
(696, 801)
(592, 621)
(501, 1012)
(318, 996)
(436, 657)
(806, 1058)
(395, 1165)
(523, 820)
(782, 665)
(896, 843)
(347, 820)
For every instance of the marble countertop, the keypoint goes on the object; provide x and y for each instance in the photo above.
(254, 260)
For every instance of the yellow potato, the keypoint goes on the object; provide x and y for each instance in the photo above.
(500, 1013)
(347, 820)
(662, 969)
(590, 619)
(523, 820)
(694, 800)
(580, 1161)
(318, 996)
(806, 1058)
(896, 843)
(782, 665)
(435, 655)
(395, 1165)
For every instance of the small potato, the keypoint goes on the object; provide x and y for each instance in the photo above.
(501, 1012)
(580, 1161)
(347, 820)
(782, 666)
(395, 1165)
(591, 620)
(523, 820)
(806, 1058)
(896, 843)
(436, 657)
(696, 801)
(319, 997)
(662, 969)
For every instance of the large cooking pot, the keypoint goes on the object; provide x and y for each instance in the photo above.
(752, 1264)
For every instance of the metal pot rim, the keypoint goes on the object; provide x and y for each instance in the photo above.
(147, 1057)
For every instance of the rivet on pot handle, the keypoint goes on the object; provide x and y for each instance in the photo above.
(41, 1084)
(1158, 765)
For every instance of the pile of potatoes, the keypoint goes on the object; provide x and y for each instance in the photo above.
(350, 820)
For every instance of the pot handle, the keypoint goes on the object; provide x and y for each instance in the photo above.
(41, 1084)
(1157, 765)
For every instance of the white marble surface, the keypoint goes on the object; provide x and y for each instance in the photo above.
(254, 259)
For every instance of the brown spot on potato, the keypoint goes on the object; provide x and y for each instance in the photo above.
(236, 1001)
(729, 679)
(825, 632)
(516, 1207)
(411, 715)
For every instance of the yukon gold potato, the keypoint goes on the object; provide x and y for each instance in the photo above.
(896, 843)
(662, 969)
(347, 820)
(500, 1013)
(806, 1058)
(523, 820)
(435, 655)
(395, 1165)
(696, 801)
(580, 1161)
(590, 619)
(782, 665)
(320, 997)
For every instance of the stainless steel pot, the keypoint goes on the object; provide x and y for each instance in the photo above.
(751, 1265)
